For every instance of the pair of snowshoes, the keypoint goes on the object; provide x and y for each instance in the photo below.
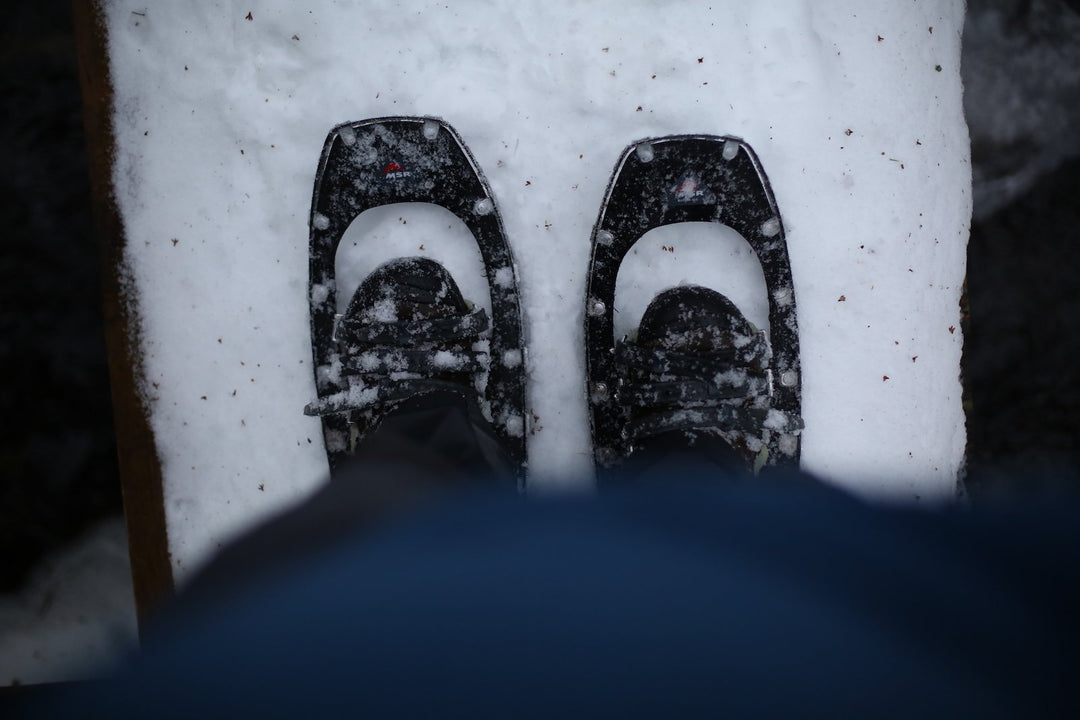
(696, 365)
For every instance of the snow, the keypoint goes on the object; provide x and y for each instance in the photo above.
(515, 425)
(75, 616)
(446, 360)
(504, 277)
(383, 311)
(222, 109)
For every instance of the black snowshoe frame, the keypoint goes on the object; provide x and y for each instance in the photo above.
(382, 161)
(675, 179)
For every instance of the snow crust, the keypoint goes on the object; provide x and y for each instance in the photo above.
(222, 109)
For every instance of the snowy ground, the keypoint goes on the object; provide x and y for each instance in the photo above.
(222, 110)
(74, 615)
(46, 635)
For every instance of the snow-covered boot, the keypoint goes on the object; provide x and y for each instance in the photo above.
(407, 333)
(696, 375)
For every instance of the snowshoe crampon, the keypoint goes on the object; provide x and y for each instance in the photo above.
(677, 179)
(390, 160)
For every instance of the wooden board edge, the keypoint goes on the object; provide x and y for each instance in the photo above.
(140, 465)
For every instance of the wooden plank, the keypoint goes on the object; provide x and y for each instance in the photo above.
(140, 467)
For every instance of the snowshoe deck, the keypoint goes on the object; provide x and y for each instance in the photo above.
(676, 179)
(390, 160)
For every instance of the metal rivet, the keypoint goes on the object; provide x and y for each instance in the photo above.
(604, 237)
(645, 152)
(731, 149)
(320, 221)
(782, 296)
(483, 206)
(770, 227)
(599, 391)
(431, 129)
(596, 307)
(337, 322)
(788, 378)
(347, 135)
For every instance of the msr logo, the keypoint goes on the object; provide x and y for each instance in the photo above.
(690, 191)
(394, 171)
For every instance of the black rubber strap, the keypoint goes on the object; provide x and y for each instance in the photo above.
(726, 417)
(684, 392)
(383, 360)
(364, 397)
(355, 331)
(753, 355)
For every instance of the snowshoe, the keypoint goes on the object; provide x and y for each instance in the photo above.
(697, 365)
(407, 328)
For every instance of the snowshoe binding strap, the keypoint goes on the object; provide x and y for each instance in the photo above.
(753, 354)
(384, 361)
(354, 331)
(747, 421)
(361, 397)
(727, 389)
(381, 361)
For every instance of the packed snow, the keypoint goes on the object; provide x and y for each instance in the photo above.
(222, 109)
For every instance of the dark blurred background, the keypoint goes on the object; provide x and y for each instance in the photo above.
(1021, 361)
(57, 450)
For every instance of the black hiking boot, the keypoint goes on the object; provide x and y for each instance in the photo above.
(410, 345)
(696, 382)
